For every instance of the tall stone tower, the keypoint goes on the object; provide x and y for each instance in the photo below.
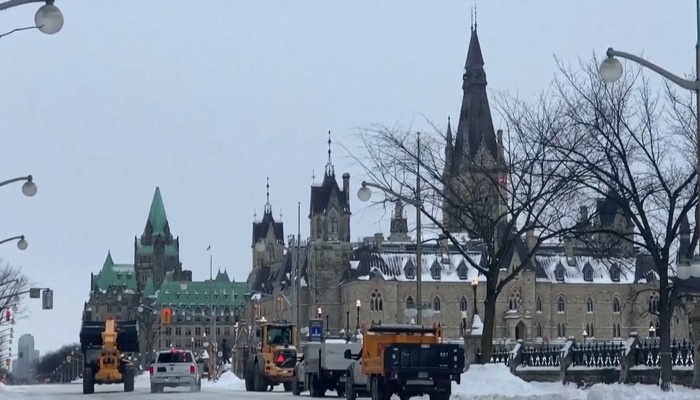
(329, 250)
(157, 252)
(269, 232)
(474, 163)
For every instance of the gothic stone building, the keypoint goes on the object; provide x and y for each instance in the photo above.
(156, 279)
(565, 290)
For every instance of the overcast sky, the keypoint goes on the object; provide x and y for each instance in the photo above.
(206, 99)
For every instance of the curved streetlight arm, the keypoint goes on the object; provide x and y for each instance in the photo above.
(15, 3)
(413, 202)
(20, 237)
(682, 82)
(27, 178)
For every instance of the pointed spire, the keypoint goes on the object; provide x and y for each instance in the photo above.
(108, 261)
(475, 60)
(156, 215)
(268, 207)
(330, 169)
(448, 136)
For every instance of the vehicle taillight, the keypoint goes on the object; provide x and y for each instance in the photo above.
(192, 370)
(150, 370)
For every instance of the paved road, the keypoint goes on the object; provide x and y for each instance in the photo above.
(141, 392)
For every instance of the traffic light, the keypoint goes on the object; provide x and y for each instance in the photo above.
(47, 299)
(166, 316)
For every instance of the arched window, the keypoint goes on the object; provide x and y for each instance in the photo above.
(376, 303)
(538, 304)
(539, 330)
(514, 300)
(589, 305)
(616, 330)
(561, 304)
(561, 330)
(616, 305)
(333, 225)
(410, 303)
(654, 303)
(437, 306)
(463, 304)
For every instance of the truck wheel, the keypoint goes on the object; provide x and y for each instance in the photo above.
(316, 388)
(350, 393)
(288, 386)
(249, 377)
(259, 384)
(379, 390)
(88, 381)
(129, 374)
(295, 386)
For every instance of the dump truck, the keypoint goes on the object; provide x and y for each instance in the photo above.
(271, 356)
(323, 367)
(407, 360)
(105, 345)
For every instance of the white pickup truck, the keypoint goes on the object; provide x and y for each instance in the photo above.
(175, 368)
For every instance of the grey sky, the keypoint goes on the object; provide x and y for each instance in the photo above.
(206, 99)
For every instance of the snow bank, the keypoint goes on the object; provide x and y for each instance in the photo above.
(495, 382)
(228, 381)
(639, 392)
(143, 380)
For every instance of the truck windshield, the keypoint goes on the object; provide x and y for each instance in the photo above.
(174, 357)
(279, 335)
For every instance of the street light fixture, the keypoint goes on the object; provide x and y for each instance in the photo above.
(48, 18)
(610, 70)
(358, 304)
(652, 329)
(585, 335)
(21, 242)
(319, 312)
(28, 188)
(364, 194)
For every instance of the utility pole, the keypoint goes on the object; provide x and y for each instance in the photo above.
(297, 277)
(212, 307)
(419, 245)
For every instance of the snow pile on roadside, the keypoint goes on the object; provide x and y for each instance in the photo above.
(639, 392)
(495, 382)
(227, 380)
(143, 380)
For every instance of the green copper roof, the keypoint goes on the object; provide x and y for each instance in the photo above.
(114, 275)
(202, 293)
(222, 277)
(170, 250)
(150, 289)
(156, 216)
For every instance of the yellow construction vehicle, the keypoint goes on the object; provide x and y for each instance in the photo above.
(271, 356)
(105, 345)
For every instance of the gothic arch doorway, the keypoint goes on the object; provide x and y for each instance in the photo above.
(520, 331)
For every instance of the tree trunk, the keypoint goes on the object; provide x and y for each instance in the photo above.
(665, 315)
(489, 318)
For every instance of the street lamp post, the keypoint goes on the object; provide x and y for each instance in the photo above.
(48, 18)
(652, 330)
(475, 283)
(611, 70)
(28, 188)
(358, 304)
(585, 335)
(21, 242)
(364, 194)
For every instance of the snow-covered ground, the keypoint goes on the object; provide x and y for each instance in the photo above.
(495, 382)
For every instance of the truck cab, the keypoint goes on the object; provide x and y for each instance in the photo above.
(175, 368)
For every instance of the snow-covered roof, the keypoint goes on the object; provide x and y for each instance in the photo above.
(575, 269)
(401, 266)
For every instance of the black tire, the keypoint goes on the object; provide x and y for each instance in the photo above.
(88, 381)
(350, 393)
(379, 390)
(195, 387)
(288, 386)
(259, 384)
(129, 375)
(249, 377)
(315, 387)
(295, 386)
(154, 388)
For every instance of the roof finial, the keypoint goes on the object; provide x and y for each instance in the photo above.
(268, 207)
(471, 24)
(475, 16)
(255, 215)
(280, 214)
(313, 177)
(330, 170)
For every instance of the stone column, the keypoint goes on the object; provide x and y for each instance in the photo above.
(694, 321)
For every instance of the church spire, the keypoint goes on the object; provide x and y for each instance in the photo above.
(268, 206)
(330, 169)
(157, 219)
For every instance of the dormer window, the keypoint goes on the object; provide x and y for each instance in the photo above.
(559, 273)
(462, 270)
(409, 270)
(615, 273)
(435, 270)
(588, 272)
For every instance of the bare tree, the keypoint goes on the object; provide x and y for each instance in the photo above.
(149, 326)
(621, 136)
(497, 198)
(12, 283)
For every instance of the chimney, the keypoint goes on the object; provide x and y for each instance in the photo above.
(530, 239)
(346, 187)
(583, 214)
(499, 135)
(569, 251)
